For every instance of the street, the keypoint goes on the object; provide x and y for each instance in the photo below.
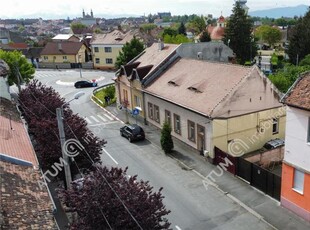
(191, 205)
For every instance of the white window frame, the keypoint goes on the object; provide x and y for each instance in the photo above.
(299, 181)
(137, 101)
(96, 49)
(275, 124)
(64, 57)
(177, 123)
(150, 110)
(156, 113)
(97, 60)
(45, 58)
(191, 131)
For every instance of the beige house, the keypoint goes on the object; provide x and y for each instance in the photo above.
(208, 104)
(106, 47)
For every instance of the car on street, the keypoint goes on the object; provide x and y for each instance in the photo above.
(132, 132)
(84, 84)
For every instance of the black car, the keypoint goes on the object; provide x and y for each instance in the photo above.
(84, 84)
(132, 132)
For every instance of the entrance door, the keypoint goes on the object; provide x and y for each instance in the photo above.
(201, 138)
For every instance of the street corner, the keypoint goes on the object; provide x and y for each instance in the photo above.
(65, 83)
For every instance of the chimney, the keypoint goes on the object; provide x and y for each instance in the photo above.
(59, 46)
(199, 56)
(160, 45)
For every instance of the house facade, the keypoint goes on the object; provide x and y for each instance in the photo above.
(295, 191)
(231, 107)
(64, 52)
(106, 47)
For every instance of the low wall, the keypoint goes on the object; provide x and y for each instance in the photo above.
(45, 65)
(265, 158)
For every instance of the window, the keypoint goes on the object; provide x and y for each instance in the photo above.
(109, 61)
(168, 117)
(275, 125)
(125, 93)
(150, 110)
(97, 60)
(191, 131)
(108, 49)
(137, 101)
(45, 57)
(308, 136)
(156, 113)
(298, 181)
(177, 123)
(96, 49)
(64, 57)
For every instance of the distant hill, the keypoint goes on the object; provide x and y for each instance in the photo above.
(299, 10)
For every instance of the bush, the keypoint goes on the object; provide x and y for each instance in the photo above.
(166, 138)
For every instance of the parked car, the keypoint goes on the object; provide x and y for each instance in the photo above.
(84, 84)
(272, 144)
(132, 132)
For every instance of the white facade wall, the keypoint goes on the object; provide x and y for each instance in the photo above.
(185, 115)
(297, 149)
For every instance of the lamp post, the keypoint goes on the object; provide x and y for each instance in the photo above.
(60, 117)
(80, 65)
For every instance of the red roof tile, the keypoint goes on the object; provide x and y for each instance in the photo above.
(299, 95)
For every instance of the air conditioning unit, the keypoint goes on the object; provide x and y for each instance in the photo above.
(205, 153)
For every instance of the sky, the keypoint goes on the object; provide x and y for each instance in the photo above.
(61, 9)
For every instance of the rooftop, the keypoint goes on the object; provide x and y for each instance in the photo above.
(59, 48)
(113, 38)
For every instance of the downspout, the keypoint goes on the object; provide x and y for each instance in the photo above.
(143, 101)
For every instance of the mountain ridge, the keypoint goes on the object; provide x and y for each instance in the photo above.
(290, 12)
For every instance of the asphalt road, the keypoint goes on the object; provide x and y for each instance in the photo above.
(191, 205)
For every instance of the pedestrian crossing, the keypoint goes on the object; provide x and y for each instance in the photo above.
(95, 119)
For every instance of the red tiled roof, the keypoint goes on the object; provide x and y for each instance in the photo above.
(23, 204)
(299, 95)
(221, 19)
(18, 45)
(59, 48)
(14, 140)
(216, 32)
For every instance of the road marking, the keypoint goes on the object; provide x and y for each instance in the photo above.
(87, 120)
(108, 117)
(110, 156)
(102, 118)
(177, 227)
(95, 119)
(103, 124)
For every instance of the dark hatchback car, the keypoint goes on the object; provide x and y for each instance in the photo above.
(84, 84)
(132, 132)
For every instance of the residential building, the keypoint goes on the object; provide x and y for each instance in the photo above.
(65, 52)
(106, 47)
(219, 105)
(65, 37)
(295, 192)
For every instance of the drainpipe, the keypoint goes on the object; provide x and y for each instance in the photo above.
(143, 101)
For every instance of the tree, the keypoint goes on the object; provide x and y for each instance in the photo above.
(270, 35)
(20, 69)
(283, 79)
(129, 51)
(77, 25)
(305, 61)
(205, 37)
(38, 105)
(166, 138)
(198, 24)
(107, 199)
(182, 29)
(299, 42)
(170, 31)
(180, 38)
(238, 35)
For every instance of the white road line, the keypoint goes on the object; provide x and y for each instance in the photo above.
(110, 118)
(95, 119)
(87, 120)
(177, 227)
(102, 118)
(110, 156)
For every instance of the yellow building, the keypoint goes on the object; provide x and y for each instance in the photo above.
(106, 47)
(64, 52)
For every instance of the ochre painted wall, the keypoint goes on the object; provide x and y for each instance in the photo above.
(102, 55)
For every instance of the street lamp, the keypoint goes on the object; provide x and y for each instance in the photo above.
(80, 65)
(60, 117)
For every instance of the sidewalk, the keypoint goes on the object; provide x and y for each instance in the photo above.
(259, 204)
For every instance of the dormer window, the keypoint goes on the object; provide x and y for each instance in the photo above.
(172, 83)
(194, 89)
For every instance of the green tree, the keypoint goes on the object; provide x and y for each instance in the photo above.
(198, 24)
(169, 31)
(205, 37)
(238, 35)
(77, 25)
(271, 35)
(166, 138)
(305, 61)
(182, 29)
(129, 51)
(299, 42)
(20, 69)
(97, 31)
(178, 39)
(283, 79)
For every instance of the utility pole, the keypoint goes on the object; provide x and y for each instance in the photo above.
(59, 112)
